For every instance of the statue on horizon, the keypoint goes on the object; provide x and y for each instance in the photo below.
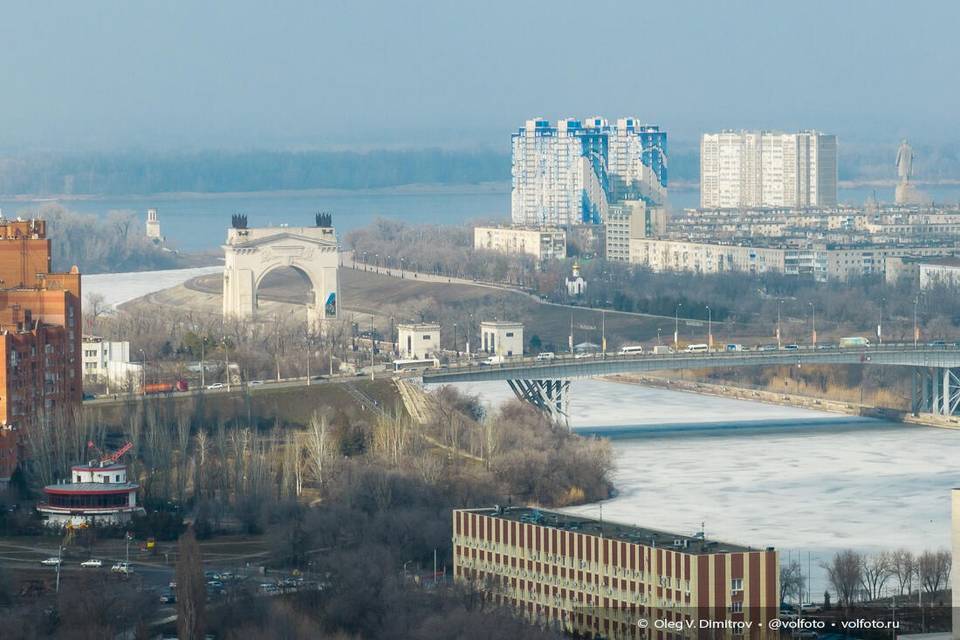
(904, 161)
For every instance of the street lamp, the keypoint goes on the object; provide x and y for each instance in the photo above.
(401, 268)
(658, 335)
(916, 327)
(779, 306)
(455, 339)
(813, 312)
(709, 329)
(883, 302)
(676, 327)
(143, 374)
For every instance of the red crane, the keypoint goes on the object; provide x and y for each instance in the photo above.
(110, 457)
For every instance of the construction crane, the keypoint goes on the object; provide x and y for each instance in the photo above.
(108, 458)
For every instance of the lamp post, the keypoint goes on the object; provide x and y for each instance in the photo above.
(779, 305)
(916, 327)
(813, 317)
(676, 327)
(883, 302)
(143, 374)
(658, 335)
(401, 268)
(455, 339)
(203, 340)
(709, 329)
(226, 352)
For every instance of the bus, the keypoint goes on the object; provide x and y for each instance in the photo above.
(631, 349)
(853, 342)
(414, 365)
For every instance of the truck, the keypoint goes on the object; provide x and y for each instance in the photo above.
(853, 342)
(662, 349)
(165, 387)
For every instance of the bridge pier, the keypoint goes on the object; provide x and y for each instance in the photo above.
(936, 390)
(552, 397)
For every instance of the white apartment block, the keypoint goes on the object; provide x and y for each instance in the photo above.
(569, 173)
(768, 169)
(941, 272)
(108, 362)
(821, 262)
(542, 244)
(631, 219)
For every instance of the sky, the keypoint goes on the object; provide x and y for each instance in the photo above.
(94, 75)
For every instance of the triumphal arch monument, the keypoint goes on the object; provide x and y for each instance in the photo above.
(253, 253)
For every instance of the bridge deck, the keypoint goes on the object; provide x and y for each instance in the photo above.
(608, 364)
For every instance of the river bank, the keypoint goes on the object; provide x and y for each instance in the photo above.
(791, 400)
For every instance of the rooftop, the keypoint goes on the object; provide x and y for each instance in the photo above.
(694, 544)
(91, 487)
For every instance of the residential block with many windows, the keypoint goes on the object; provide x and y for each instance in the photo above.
(614, 580)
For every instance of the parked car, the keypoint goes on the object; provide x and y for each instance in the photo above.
(810, 607)
(122, 567)
(92, 563)
(50, 562)
(216, 385)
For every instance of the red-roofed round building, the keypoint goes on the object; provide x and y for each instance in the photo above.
(98, 495)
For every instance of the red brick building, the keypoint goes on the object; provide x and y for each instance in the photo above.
(613, 580)
(40, 337)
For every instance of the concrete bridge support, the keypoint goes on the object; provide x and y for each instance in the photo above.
(552, 397)
(936, 390)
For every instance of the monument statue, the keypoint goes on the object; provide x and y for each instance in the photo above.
(904, 161)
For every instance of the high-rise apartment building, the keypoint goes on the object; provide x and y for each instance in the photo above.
(768, 169)
(40, 358)
(596, 577)
(569, 173)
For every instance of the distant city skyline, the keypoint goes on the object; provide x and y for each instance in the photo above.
(91, 76)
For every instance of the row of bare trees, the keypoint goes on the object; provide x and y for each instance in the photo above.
(856, 576)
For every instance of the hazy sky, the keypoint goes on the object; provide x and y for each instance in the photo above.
(106, 75)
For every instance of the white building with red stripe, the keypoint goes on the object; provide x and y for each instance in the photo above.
(98, 494)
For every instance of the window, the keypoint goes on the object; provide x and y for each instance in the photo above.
(736, 584)
(736, 607)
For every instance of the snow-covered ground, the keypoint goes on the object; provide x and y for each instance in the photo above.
(766, 475)
(118, 288)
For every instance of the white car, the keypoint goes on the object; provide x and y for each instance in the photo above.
(216, 385)
(50, 562)
(121, 567)
(92, 563)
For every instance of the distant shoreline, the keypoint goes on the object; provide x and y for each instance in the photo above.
(398, 190)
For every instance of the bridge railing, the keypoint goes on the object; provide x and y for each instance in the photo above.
(520, 361)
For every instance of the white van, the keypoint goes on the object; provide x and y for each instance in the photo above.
(696, 348)
(546, 355)
(631, 349)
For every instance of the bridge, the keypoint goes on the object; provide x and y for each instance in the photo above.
(546, 383)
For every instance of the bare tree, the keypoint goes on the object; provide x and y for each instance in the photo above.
(845, 574)
(318, 448)
(933, 570)
(875, 570)
(903, 564)
(191, 588)
(791, 581)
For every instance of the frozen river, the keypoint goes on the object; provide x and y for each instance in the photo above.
(118, 288)
(764, 475)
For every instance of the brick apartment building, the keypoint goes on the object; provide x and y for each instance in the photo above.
(613, 580)
(40, 337)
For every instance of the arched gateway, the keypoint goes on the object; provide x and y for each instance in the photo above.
(253, 253)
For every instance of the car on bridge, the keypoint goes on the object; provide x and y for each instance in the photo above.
(50, 562)
(546, 355)
(92, 563)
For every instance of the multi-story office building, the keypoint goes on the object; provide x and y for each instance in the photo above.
(598, 577)
(541, 243)
(631, 219)
(943, 272)
(768, 169)
(40, 372)
(569, 173)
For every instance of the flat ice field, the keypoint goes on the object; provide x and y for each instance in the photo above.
(766, 475)
(118, 288)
